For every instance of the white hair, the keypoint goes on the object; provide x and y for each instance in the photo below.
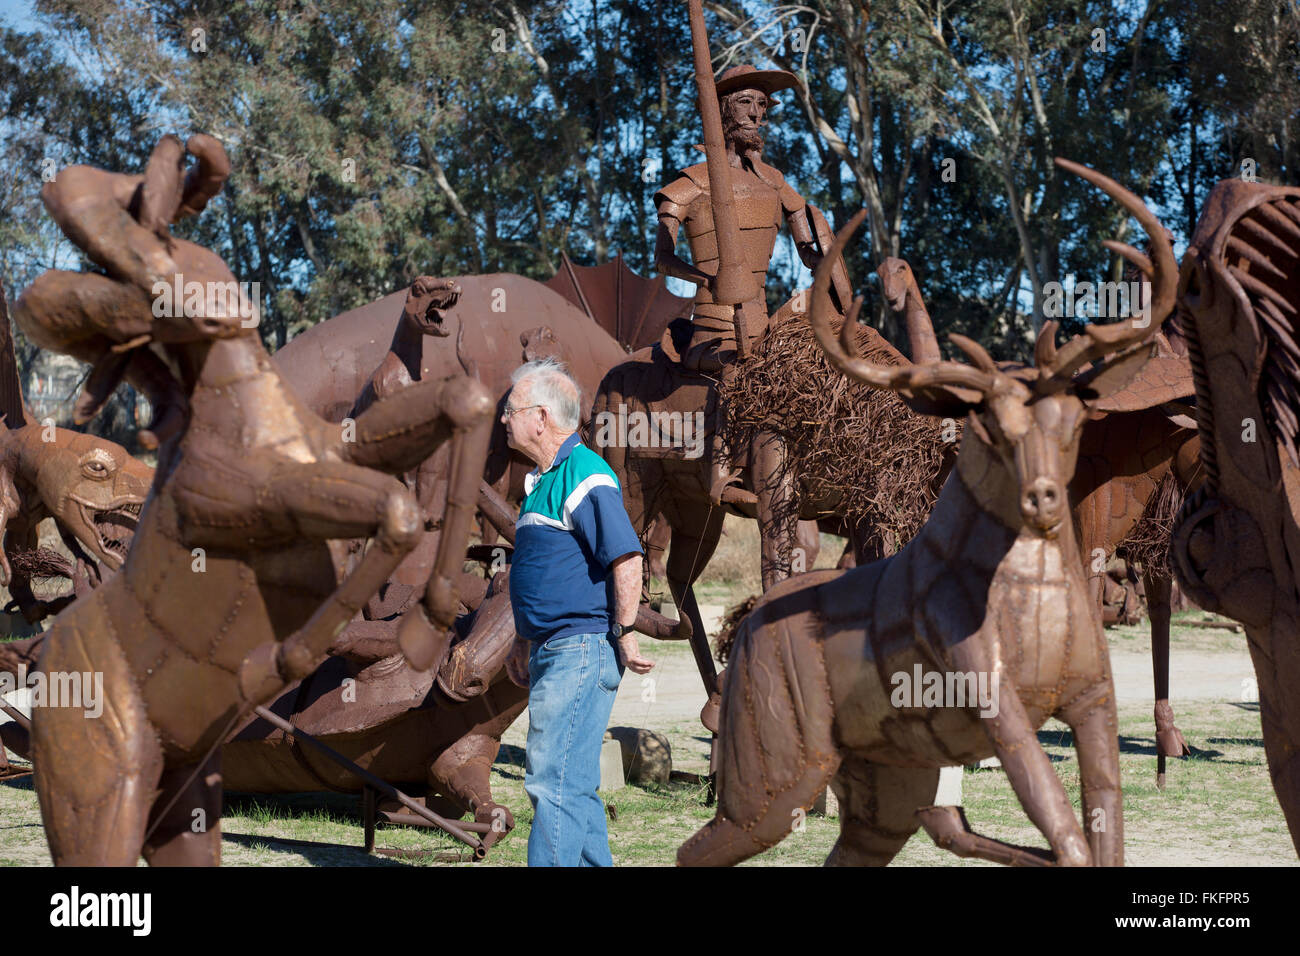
(551, 385)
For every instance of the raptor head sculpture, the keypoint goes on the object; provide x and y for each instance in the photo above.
(92, 487)
(426, 304)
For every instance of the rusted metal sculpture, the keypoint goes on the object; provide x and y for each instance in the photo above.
(634, 310)
(1133, 440)
(730, 208)
(992, 589)
(238, 524)
(90, 486)
(1237, 542)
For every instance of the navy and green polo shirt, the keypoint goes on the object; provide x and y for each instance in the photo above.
(572, 527)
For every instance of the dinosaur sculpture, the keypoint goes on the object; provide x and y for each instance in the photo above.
(438, 327)
(90, 486)
(231, 589)
(992, 590)
(1236, 543)
(1132, 440)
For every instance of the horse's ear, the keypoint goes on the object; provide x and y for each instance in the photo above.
(941, 401)
(1114, 372)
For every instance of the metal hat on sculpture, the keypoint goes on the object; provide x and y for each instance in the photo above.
(746, 77)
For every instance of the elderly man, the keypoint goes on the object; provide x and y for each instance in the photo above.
(575, 584)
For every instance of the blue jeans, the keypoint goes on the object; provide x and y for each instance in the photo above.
(573, 681)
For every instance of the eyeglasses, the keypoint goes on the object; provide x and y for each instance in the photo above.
(510, 411)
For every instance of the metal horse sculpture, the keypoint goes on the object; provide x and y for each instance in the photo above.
(991, 591)
(1237, 541)
(232, 588)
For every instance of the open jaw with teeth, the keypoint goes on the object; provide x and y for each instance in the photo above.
(114, 529)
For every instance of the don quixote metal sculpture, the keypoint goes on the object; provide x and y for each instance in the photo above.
(992, 592)
(247, 497)
(730, 209)
(1237, 540)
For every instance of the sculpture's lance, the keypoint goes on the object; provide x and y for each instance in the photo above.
(734, 283)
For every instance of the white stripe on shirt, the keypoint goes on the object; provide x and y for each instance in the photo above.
(576, 496)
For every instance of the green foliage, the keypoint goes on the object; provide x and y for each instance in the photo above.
(374, 142)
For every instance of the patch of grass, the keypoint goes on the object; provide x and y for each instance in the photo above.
(1217, 809)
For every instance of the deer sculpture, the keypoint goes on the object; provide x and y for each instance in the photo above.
(234, 585)
(991, 592)
(1131, 443)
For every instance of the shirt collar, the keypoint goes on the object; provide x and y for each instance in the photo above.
(570, 443)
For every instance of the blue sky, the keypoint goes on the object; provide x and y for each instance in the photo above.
(18, 14)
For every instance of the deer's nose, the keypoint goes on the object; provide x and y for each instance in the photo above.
(1042, 503)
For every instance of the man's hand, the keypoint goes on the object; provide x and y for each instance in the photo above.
(630, 654)
(517, 661)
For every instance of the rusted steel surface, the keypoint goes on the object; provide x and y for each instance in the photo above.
(1135, 441)
(250, 491)
(992, 585)
(369, 779)
(634, 310)
(1237, 543)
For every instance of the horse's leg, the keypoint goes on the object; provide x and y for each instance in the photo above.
(688, 554)
(185, 827)
(778, 505)
(878, 807)
(1276, 657)
(656, 545)
(463, 770)
(808, 545)
(1169, 739)
(1096, 741)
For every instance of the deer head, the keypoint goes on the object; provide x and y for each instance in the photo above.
(1027, 418)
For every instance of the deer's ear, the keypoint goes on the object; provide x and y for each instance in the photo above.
(941, 401)
(1114, 372)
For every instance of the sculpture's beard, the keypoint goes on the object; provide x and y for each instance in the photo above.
(745, 140)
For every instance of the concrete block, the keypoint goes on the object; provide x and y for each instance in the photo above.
(647, 756)
(949, 792)
(611, 765)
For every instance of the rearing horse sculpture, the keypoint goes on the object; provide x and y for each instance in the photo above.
(990, 596)
(234, 585)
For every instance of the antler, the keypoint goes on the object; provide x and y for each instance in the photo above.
(842, 351)
(1099, 340)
